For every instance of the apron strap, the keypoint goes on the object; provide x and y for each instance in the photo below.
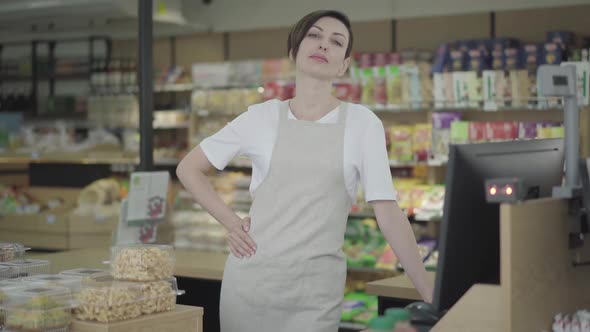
(284, 111)
(342, 113)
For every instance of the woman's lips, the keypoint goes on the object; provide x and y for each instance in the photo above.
(319, 57)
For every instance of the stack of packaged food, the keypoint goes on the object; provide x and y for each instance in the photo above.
(141, 282)
(22, 306)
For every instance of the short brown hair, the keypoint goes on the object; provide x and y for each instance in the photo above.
(299, 30)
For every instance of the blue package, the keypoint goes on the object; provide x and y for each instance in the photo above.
(513, 59)
(459, 60)
(504, 43)
(552, 54)
(477, 60)
(442, 59)
(565, 38)
(532, 56)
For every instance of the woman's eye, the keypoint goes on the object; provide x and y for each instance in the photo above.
(313, 35)
(337, 43)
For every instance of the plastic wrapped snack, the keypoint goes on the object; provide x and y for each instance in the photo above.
(11, 251)
(108, 301)
(34, 308)
(73, 283)
(23, 268)
(7, 286)
(142, 262)
(83, 272)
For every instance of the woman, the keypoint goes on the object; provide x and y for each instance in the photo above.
(287, 270)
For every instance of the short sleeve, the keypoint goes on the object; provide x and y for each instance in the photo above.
(229, 142)
(375, 172)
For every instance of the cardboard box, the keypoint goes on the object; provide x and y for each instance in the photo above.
(60, 229)
(182, 319)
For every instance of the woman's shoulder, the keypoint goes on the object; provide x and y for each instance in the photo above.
(260, 111)
(362, 115)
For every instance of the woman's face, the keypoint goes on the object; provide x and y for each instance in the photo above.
(322, 52)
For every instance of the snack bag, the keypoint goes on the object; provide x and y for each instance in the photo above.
(401, 143)
(368, 87)
(394, 86)
(460, 132)
(380, 87)
(441, 133)
(422, 141)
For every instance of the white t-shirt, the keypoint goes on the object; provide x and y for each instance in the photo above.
(253, 134)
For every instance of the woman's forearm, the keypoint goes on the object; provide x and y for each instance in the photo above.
(202, 191)
(397, 231)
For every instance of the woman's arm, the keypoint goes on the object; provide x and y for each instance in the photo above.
(397, 231)
(191, 172)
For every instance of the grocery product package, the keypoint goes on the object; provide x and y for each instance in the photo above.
(441, 133)
(368, 87)
(460, 132)
(380, 90)
(460, 89)
(142, 262)
(401, 144)
(422, 141)
(394, 86)
(438, 88)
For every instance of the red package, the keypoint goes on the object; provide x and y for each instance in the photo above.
(501, 131)
(477, 132)
(343, 91)
(366, 60)
(395, 59)
(278, 90)
(380, 59)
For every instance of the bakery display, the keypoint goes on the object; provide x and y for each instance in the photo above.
(142, 262)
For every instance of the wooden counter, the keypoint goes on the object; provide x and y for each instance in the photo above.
(400, 287)
(182, 319)
(189, 263)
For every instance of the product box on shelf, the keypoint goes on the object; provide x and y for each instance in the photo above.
(107, 300)
(477, 132)
(460, 132)
(552, 54)
(442, 59)
(490, 102)
(441, 133)
(566, 39)
(459, 60)
(394, 86)
(142, 262)
(460, 89)
(38, 308)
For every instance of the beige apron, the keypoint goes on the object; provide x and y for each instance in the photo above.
(295, 281)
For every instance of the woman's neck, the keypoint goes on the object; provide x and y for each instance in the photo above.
(313, 98)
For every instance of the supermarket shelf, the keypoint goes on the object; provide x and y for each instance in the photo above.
(429, 163)
(361, 215)
(369, 270)
(171, 126)
(352, 326)
(174, 87)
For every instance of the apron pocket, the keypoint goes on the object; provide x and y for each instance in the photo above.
(324, 283)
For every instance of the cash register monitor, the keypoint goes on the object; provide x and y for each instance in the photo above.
(469, 242)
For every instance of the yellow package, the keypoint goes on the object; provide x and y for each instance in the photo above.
(401, 144)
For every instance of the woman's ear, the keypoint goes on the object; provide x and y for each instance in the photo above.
(291, 57)
(344, 67)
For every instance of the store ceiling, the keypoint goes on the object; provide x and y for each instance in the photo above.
(38, 19)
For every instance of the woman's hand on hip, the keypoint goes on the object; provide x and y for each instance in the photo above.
(240, 243)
